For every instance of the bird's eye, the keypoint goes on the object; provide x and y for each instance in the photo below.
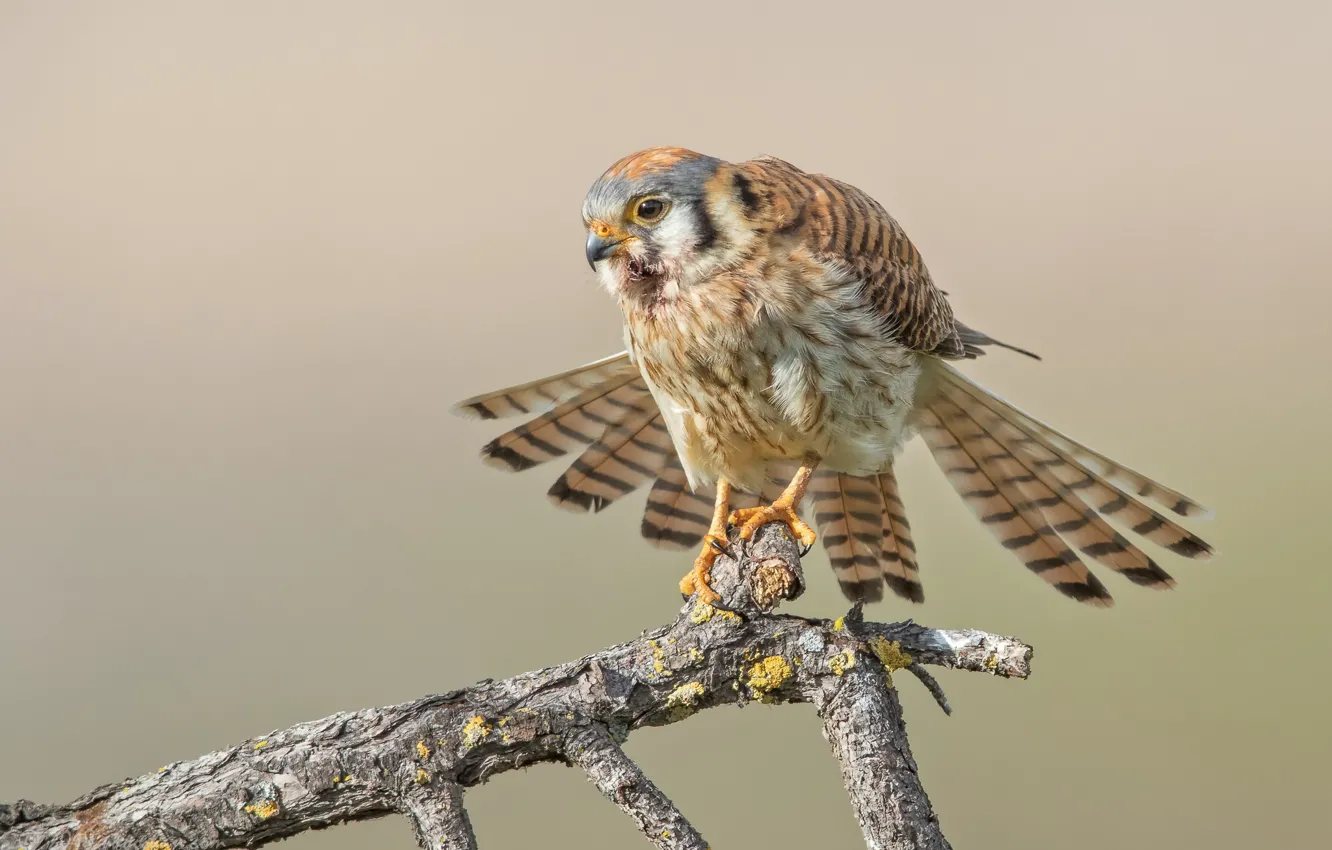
(649, 210)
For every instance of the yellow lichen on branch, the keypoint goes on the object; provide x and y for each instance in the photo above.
(683, 701)
(767, 676)
(842, 661)
(475, 731)
(890, 655)
(703, 612)
(264, 809)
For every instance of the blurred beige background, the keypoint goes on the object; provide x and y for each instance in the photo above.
(251, 252)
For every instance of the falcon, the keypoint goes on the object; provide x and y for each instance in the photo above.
(783, 340)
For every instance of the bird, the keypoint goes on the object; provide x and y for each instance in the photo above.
(783, 341)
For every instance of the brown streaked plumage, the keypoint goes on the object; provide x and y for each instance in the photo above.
(781, 327)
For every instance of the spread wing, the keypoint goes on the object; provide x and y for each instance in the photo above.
(844, 226)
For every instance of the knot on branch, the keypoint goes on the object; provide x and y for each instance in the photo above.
(754, 577)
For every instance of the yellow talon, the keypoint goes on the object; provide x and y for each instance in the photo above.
(697, 578)
(751, 520)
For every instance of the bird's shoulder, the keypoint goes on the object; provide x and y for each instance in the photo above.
(847, 229)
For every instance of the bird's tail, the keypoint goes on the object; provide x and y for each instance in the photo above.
(1044, 495)
(604, 411)
(864, 529)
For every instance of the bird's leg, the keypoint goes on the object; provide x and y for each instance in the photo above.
(783, 509)
(714, 543)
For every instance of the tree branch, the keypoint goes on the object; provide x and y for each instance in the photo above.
(416, 758)
(437, 815)
(624, 784)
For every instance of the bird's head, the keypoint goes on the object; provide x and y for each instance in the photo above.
(658, 220)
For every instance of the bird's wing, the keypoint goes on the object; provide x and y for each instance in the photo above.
(541, 395)
(849, 230)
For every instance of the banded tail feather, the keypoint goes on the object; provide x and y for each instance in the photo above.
(898, 556)
(1064, 509)
(677, 517)
(1045, 447)
(1086, 459)
(626, 455)
(541, 395)
(578, 421)
(848, 512)
(987, 478)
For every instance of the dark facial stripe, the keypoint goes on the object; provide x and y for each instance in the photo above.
(707, 230)
(748, 198)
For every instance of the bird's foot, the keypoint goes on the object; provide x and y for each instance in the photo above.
(696, 580)
(751, 520)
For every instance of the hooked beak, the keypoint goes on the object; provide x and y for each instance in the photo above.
(601, 247)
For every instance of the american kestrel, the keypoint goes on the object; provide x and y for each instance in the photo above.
(780, 328)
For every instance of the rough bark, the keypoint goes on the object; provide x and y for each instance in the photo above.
(415, 759)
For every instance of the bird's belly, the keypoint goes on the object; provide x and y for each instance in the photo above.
(738, 420)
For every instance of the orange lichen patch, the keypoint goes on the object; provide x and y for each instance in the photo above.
(91, 828)
(422, 750)
(649, 161)
(264, 809)
(156, 845)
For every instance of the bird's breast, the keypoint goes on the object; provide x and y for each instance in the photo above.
(737, 395)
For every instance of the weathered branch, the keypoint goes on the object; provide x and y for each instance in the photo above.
(438, 818)
(624, 784)
(416, 758)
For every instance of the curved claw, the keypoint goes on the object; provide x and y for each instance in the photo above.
(696, 580)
